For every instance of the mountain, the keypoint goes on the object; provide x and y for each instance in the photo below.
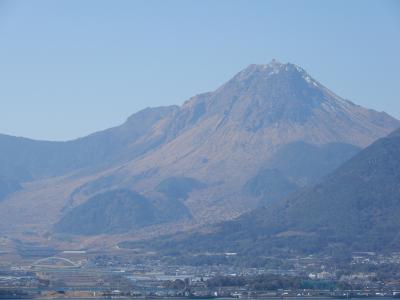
(355, 208)
(209, 156)
(24, 159)
(225, 137)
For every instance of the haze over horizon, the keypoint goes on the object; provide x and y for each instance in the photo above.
(62, 82)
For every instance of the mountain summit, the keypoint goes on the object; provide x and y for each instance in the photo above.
(268, 131)
(274, 95)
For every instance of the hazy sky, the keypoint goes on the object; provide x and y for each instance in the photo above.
(68, 68)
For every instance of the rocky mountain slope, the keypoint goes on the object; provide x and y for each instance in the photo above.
(355, 208)
(207, 154)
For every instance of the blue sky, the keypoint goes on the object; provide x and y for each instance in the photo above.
(68, 68)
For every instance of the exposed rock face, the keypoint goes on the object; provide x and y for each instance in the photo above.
(221, 139)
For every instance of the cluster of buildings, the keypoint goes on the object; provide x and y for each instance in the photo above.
(83, 275)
